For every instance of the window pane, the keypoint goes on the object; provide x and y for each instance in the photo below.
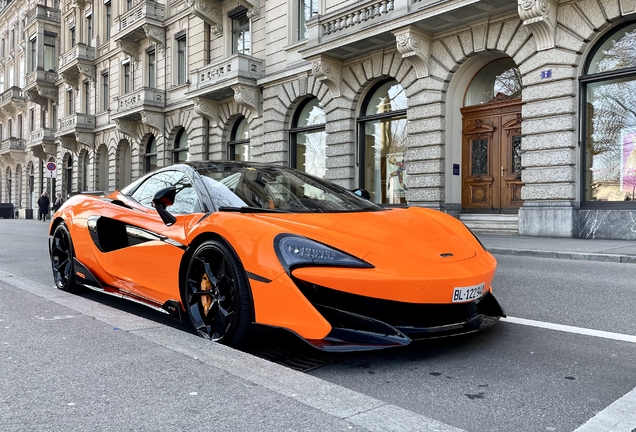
(384, 166)
(501, 77)
(389, 97)
(312, 114)
(242, 131)
(616, 53)
(242, 152)
(611, 140)
(311, 152)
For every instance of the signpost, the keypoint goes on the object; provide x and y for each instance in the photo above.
(51, 170)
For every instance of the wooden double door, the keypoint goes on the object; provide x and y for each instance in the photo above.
(491, 157)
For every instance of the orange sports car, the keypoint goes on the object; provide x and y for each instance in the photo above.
(227, 245)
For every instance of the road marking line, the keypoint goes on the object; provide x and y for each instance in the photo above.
(620, 416)
(570, 329)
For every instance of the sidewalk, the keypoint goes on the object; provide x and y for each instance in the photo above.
(623, 251)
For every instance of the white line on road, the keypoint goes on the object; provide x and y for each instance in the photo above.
(571, 329)
(620, 416)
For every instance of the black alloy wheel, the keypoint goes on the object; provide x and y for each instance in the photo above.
(62, 255)
(217, 295)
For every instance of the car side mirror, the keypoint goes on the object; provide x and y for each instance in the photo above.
(362, 193)
(162, 199)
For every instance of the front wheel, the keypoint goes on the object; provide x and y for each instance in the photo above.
(62, 255)
(217, 295)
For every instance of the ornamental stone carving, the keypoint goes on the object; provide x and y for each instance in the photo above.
(68, 143)
(207, 108)
(156, 34)
(539, 16)
(209, 11)
(126, 127)
(87, 70)
(153, 120)
(130, 49)
(249, 97)
(32, 95)
(85, 139)
(328, 70)
(628, 7)
(415, 47)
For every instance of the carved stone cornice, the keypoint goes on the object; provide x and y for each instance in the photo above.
(539, 16)
(415, 47)
(210, 12)
(207, 108)
(126, 127)
(328, 70)
(249, 97)
(153, 120)
(130, 49)
(68, 143)
(156, 34)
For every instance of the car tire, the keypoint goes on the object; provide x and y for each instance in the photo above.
(225, 314)
(62, 254)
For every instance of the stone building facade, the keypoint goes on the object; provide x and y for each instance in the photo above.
(494, 110)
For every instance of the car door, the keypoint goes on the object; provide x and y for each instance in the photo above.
(148, 266)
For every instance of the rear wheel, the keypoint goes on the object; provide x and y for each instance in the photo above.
(62, 255)
(217, 295)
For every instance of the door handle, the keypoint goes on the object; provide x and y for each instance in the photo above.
(503, 170)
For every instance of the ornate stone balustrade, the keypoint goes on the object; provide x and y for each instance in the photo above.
(41, 135)
(75, 121)
(11, 144)
(41, 76)
(12, 94)
(140, 99)
(141, 9)
(43, 12)
(78, 52)
(237, 66)
(356, 16)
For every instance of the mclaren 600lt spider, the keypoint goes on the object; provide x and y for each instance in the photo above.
(227, 245)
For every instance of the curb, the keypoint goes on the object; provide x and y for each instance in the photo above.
(579, 256)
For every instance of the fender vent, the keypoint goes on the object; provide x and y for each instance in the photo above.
(446, 254)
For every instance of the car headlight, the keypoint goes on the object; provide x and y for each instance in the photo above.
(294, 251)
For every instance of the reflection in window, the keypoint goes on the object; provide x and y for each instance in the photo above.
(383, 144)
(240, 31)
(308, 139)
(306, 10)
(238, 148)
(185, 201)
(610, 120)
(180, 152)
(498, 80)
(150, 158)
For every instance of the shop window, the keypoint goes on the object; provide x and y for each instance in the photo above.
(382, 143)
(307, 137)
(238, 148)
(608, 93)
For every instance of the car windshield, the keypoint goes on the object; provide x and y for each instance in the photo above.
(277, 189)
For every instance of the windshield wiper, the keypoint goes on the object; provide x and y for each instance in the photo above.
(251, 210)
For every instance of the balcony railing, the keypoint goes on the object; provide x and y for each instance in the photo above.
(145, 97)
(140, 10)
(40, 76)
(11, 144)
(12, 94)
(237, 66)
(43, 12)
(78, 52)
(75, 121)
(41, 135)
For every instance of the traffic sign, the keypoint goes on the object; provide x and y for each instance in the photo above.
(51, 170)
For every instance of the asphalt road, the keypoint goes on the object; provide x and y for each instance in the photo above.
(513, 377)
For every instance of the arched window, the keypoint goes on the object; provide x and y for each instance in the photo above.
(180, 152)
(68, 175)
(238, 148)
(382, 143)
(102, 172)
(9, 180)
(498, 80)
(150, 158)
(124, 163)
(307, 138)
(609, 121)
(85, 176)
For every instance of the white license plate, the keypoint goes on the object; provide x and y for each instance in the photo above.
(464, 294)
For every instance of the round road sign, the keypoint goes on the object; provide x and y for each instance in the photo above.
(51, 166)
